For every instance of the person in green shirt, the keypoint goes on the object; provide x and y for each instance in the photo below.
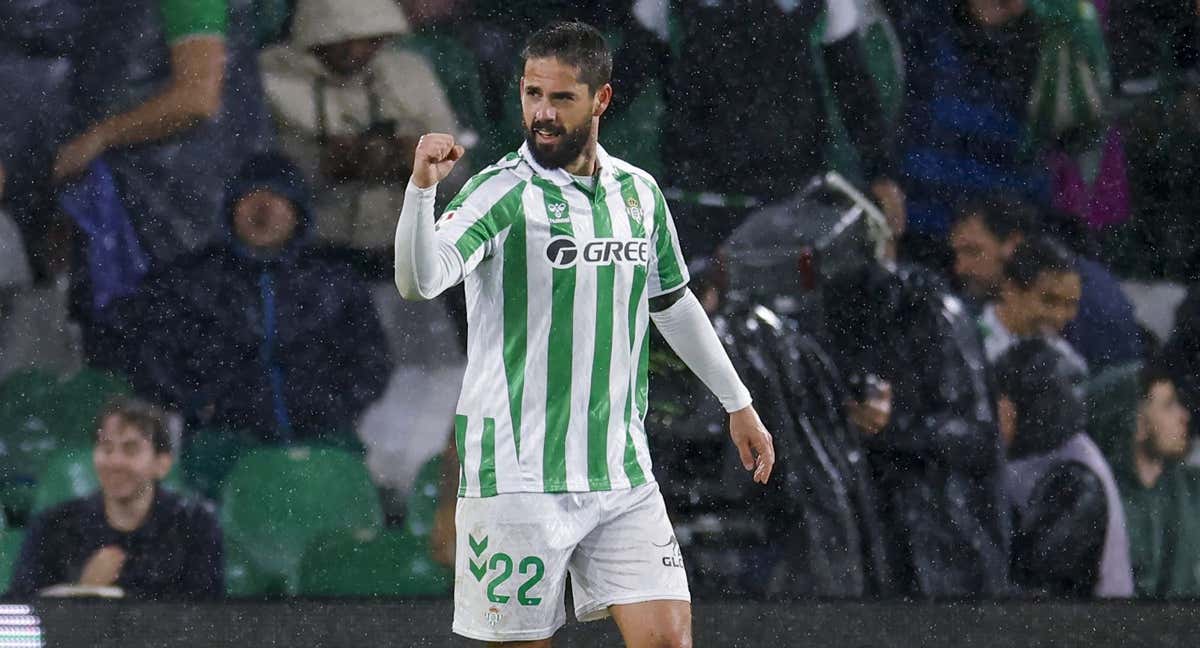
(1140, 424)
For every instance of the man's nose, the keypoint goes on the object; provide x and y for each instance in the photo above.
(545, 113)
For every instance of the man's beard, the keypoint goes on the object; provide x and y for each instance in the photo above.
(570, 145)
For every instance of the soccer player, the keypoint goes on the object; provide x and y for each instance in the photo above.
(567, 253)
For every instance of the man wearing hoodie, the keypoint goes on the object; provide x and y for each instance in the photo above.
(1069, 534)
(231, 335)
(1143, 429)
(349, 108)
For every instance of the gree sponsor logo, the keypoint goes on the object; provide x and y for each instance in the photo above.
(565, 252)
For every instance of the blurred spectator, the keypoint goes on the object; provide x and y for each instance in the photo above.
(970, 69)
(747, 80)
(134, 534)
(14, 268)
(1138, 420)
(937, 461)
(1039, 295)
(260, 333)
(173, 103)
(166, 103)
(1156, 60)
(1069, 533)
(1181, 354)
(349, 109)
(984, 237)
(35, 78)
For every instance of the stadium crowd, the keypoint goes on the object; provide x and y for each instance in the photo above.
(209, 385)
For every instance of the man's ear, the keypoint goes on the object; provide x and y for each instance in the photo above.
(162, 464)
(603, 99)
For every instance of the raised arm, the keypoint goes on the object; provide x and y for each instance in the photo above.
(425, 265)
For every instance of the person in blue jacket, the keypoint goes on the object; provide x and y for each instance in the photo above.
(261, 333)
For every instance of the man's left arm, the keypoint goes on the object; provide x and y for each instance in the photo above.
(682, 321)
(204, 577)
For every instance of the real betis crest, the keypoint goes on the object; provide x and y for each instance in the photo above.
(634, 209)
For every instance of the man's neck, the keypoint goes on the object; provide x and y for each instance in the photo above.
(1009, 319)
(1149, 469)
(129, 515)
(585, 164)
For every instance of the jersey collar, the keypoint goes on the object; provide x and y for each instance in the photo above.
(559, 176)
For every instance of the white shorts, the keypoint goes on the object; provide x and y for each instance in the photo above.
(514, 552)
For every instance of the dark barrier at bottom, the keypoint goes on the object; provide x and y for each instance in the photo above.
(398, 624)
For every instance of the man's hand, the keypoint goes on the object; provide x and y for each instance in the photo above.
(104, 567)
(891, 200)
(872, 416)
(753, 442)
(74, 157)
(435, 157)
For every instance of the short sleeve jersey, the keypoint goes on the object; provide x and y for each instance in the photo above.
(558, 278)
(183, 18)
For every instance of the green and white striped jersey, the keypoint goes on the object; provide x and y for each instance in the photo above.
(557, 279)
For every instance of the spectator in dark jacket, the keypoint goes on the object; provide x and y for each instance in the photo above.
(261, 333)
(1069, 532)
(937, 461)
(749, 79)
(985, 235)
(134, 534)
(1181, 354)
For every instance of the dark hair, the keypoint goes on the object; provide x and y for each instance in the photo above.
(1036, 256)
(149, 419)
(1002, 214)
(574, 43)
(1046, 387)
(1153, 372)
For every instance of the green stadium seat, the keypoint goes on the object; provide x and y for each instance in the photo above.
(208, 455)
(277, 500)
(369, 562)
(40, 415)
(10, 549)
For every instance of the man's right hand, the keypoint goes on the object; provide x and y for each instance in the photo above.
(104, 567)
(435, 157)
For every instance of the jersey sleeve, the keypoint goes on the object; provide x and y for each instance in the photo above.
(183, 18)
(476, 219)
(667, 269)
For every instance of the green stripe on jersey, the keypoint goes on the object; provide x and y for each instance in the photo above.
(460, 443)
(516, 313)
(487, 459)
(558, 360)
(633, 469)
(600, 398)
(669, 275)
(497, 217)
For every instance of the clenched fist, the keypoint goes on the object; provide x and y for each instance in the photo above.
(435, 157)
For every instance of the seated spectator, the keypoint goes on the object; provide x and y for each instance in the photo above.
(984, 238)
(349, 109)
(1142, 427)
(1039, 295)
(1069, 533)
(258, 334)
(134, 534)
